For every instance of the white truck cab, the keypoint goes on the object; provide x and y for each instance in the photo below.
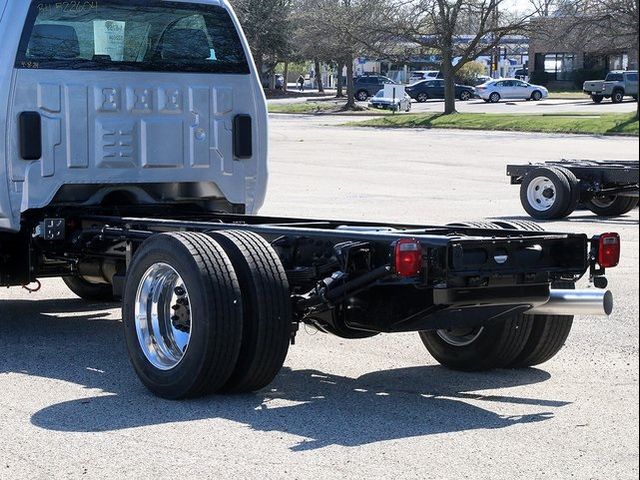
(128, 102)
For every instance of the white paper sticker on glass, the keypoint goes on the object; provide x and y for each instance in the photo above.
(108, 37)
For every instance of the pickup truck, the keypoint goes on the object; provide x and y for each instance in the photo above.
(616, 86)
(133, 164)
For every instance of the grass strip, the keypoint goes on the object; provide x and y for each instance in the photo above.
(605, 124)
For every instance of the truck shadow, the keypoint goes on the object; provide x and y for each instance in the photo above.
(84, 347)
(578, 217)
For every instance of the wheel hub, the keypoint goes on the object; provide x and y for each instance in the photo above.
(541, 194)
(163, 315)
(603, 202)
(461, 337)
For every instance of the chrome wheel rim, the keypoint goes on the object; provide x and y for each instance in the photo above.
(495, 98)
(541, 194)
(461, 337)
(465, 96)
(603, 202)
(163, 316)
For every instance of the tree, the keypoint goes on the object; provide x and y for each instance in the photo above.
(615, 22)
(461, 30)
(269, 29)
(596, 26)
(470, 71)
(342, 30)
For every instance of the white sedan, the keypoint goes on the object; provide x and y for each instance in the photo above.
(510, 89)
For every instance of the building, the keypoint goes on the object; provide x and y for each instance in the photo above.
(563, 53)
(512, 54)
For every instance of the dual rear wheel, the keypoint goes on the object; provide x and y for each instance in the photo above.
(551, 193)
(519, 341)
(206, 313)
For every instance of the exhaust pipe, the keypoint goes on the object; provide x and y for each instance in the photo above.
(576, 302)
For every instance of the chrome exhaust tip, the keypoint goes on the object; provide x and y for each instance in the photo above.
(576, 302)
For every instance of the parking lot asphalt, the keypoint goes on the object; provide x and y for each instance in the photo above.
(71, 407)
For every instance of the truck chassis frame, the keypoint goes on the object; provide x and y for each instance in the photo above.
(608, 188)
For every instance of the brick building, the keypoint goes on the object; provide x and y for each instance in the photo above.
(563, 53)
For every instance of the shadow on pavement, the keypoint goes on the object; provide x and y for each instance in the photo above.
(576, 218)
(324, 409)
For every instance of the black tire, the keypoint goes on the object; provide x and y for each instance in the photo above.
(422, 97)
(465, 96)
(362, 95)
(611, 206)
(617, 96)
(92, 292)
(574, 185)
(482, 224)
(597, 98)
(548, 336)
(267, 310)
(548, 332)
(525, 225)
(536, 96)
(215, 302)
(494, 97)
(559, 191)
(497, 345)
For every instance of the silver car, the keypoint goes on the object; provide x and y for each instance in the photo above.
(401, 104)
(510, 89)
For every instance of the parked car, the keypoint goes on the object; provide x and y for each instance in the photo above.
(279, 81)
(480, 79)
(510, 89)
(521, 74)
(416, 76)
(402, 104)
(428, 89)
(615, 86)
(369, 85)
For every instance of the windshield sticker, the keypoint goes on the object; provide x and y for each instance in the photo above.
(108, 36)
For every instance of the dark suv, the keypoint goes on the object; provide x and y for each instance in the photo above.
(368, 85)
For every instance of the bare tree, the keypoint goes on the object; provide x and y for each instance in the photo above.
(543, 8)
(269, 29)
(345, 30)
(460, 30)
(617, 22)
(596, 26)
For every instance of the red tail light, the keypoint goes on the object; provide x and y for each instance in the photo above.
(609, 250)
(408, 258)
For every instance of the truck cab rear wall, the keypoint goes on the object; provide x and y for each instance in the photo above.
(110, 115)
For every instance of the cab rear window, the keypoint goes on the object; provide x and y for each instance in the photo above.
(136, 35)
